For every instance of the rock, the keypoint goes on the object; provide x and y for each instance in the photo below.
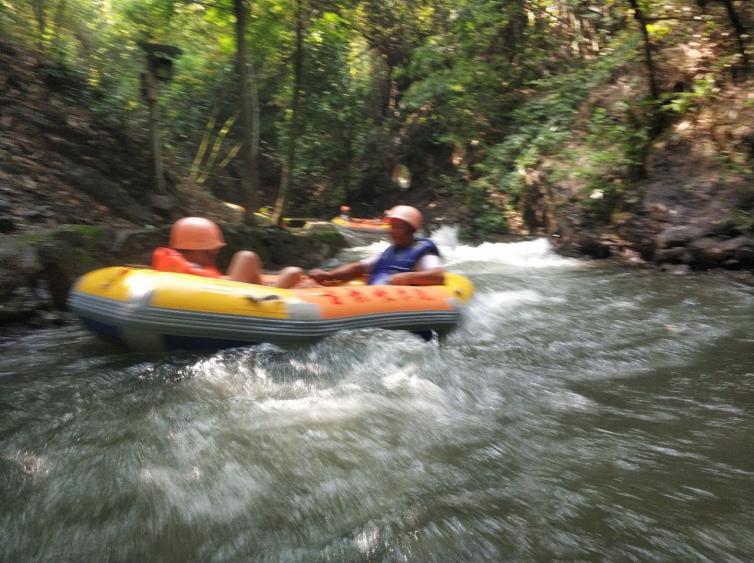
(679, 236)
(42, 292)
(46, 319)
(107, 192)
(723, 228)
(629, 256)
(19, 304)
(7, 225)
(710, 252)
(19, 263)
(279, 247)
(32, 214)
(593, 246)
(164, 205)
(706, 252)
(28, 183)
(136, 246)
(70, 251)
(738, 252)
(19, 165)
(675, 255)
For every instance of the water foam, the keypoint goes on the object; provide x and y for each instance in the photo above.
(525, 254)
(530, 254)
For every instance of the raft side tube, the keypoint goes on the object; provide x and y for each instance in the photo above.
(149, 310)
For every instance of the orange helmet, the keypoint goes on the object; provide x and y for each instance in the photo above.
(410, 215)
(195, 233)
(345, 209)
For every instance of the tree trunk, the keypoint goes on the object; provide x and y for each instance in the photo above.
(639, 16)
(255, 127)
(247, 170)
(154, 133)
(740, 32)
(58, 24)
(290, 163)
(38, 6)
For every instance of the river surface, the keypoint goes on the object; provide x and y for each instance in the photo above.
(580, 412)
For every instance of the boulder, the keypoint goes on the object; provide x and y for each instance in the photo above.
(278, 247)
(710, 252)
(20, 303)
(680, 236)
(20, 263)
(68, 252)
(675, 255)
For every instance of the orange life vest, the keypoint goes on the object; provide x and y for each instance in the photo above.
(170, 260)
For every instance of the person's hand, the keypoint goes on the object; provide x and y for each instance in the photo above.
(321, 276)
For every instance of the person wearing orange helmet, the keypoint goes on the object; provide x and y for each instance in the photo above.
(194, 245)
(408, 261)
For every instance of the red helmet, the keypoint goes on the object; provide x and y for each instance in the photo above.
(195, 233)
(410, 215)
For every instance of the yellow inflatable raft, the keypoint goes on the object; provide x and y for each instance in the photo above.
(371, 228)
(144, 309)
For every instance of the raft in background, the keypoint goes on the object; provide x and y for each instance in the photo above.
(360, 231)
(147, 310)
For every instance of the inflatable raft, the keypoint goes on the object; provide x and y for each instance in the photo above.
(368, 229)
(144, 309)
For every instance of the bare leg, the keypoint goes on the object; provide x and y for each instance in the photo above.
(289, 277)
(245, 267)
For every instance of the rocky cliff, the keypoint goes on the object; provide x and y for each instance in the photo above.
(689, 203)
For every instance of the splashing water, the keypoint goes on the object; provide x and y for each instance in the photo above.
(579, 412)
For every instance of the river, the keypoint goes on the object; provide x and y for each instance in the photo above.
(580, 412)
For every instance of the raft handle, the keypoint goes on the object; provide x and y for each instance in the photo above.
(121, 272)
(270, 297)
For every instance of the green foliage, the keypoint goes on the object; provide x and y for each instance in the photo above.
(606, 164)
(542, 125)
(681, 102)
(385, 82)
(490, 223)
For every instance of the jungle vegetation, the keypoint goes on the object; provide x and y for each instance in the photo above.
(306, 104)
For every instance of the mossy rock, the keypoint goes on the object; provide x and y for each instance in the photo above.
(69, 251)
(74, 249)
(278, 247)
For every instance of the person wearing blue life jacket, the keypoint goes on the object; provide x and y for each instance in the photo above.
(408, 261)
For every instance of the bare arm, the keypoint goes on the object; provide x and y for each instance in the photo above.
(342, 273)
(433, 276)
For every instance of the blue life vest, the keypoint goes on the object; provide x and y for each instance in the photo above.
(396, 260)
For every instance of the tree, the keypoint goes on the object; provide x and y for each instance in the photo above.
(641, 20)
(293, 128)
(249, 177)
